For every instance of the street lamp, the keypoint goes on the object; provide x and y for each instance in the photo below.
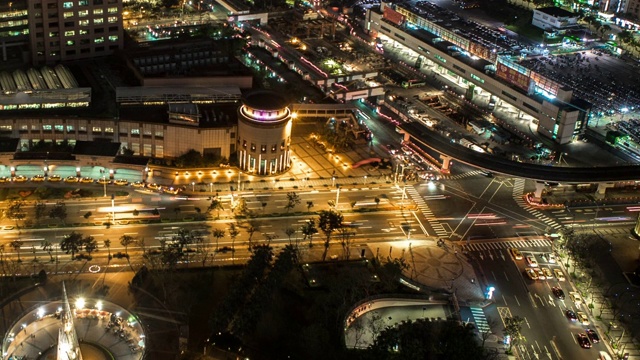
(104, 182)
(193, 186)
(365, 179)
(239, 176)
(333, 181)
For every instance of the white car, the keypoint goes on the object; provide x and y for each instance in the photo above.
(552, 258)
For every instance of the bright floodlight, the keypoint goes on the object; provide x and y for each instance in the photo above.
(80, 303)
(40, 312)
(99, 305)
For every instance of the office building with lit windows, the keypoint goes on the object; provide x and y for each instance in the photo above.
(66, 30)
(14, 30)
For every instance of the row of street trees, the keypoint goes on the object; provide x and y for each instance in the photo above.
(16, 211)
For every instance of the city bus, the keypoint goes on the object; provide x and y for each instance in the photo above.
(413, 83)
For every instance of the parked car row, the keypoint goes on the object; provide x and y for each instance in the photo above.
(68, 179)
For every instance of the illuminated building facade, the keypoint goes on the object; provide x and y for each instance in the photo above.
(264, 133)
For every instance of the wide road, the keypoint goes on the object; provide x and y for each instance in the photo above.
(549, 333)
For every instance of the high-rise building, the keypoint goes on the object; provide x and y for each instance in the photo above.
(14, 29)
(64, 30)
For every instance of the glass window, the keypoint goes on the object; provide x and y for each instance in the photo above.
(59, 128)
(83, 13)
(112, 19)
(5, 128)
(97, 129)
(135, 131)
(83, 2)
(24, 127)
(159, 134)
(83, 32)
(68, 14)
(83, 22)
(113, 10)
(159, 151)
(82, 129)
(147, 132)
(69, 128)
(98, 21)
(98, 11)
(108, 130)
(99, 40)
(67, 4)
(70, 33)
(70, 42)
(113, 37)
(34, 127)
(53, 34)
(46, 127)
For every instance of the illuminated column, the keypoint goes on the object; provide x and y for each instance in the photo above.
(446, 164)
(537, 195)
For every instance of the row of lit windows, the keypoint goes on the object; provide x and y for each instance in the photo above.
(70, 33)
(263, 148)
(71, 129)
(82, 13)
(43, 106)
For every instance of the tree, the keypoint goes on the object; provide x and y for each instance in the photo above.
(48, 247)
(309, 205)
(59, 211)
(233, 233)
(177, 210)
(604, 29)
(513, 327)
(126, 240)
(252, 227)
(90, 245)
(328, 222)
(346, 238)
(71, 244)
(16, 245)
(15, 211)
(40, 210)
(107, 245)
(215, 205)
(241, 208)
(377, 200)
(264, 205)
(293, 199)
(308, 230)
(218, 234)
(289, 231)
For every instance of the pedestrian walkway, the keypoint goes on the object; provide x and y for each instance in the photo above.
(422, 205)
(498, 244)
(518, 197)
(480, 319)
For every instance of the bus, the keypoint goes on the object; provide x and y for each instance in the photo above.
(413, 83)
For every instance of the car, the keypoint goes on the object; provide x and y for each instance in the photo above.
(559, 274)
(86, 180)
(392, 149)
(516, 253)
(20, 178)
(138, 184)
(488, 174)
(171, 190)
(71, 179)
(121, 182)
(571, 315)
(551, 258)
(531, 273)
(104, 181)
(54, 178)
(540, 273)
(582, 318)
(4, 179)
(593, 336)
(38, 178)
(583, 340)
(547, 272)
(557, 291)
(576, 298)
(153, 186)
(531, 261)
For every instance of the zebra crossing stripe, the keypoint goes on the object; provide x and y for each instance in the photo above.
(480, 319)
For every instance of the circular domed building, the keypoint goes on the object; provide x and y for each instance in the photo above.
(264, 133)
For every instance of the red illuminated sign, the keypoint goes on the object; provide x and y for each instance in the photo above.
(512, 76)
(393, 16)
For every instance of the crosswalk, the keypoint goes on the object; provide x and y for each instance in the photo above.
(480, 319)
(422, 205)
(518, 192)
(465, 175)
(497, 245)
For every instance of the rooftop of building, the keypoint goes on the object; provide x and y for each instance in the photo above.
(265, 100)
(211, 115)
(556, 11)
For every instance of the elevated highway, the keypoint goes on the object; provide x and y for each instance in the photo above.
(427, 139)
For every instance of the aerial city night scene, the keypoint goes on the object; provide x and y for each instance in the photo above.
(320, 179)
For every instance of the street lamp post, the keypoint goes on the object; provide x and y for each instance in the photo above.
(104, 182)
(337, 197)
(193, 186)
(239, 177)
